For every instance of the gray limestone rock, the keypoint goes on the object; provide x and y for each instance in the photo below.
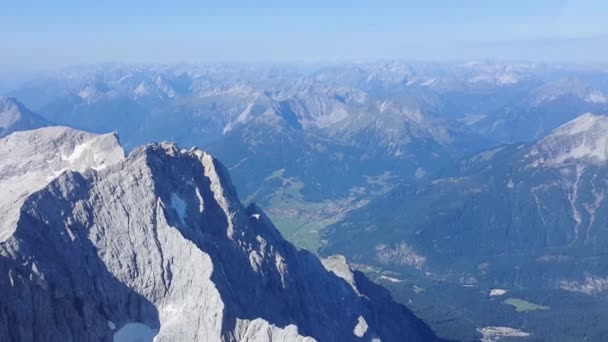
(157, 245)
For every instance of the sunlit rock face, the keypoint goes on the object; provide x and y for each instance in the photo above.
(157, 245)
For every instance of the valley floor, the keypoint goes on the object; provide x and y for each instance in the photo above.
(467, 312)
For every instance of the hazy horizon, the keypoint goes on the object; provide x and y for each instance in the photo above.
(40, 36)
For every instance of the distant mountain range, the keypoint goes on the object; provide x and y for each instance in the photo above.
(475, 192)
(353, 120)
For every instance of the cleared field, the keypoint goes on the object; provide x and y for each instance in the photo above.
(523, 305)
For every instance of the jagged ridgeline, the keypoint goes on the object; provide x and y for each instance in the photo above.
(98, 246)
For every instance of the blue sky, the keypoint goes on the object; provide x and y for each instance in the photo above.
(42, 34)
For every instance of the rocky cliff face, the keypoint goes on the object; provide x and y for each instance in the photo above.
(157, 246)
(31, 160)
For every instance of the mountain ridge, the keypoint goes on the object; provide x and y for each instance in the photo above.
(14, 116)
(527, 219)
(120, 247)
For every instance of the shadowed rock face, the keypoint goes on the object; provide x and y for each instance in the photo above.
(15, 117)
(50, 152)
(160, 239)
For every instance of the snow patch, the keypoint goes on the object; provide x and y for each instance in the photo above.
(391, 279)
(493, 334)
(201, 202)
(497, 292)
(75, 153)
(255, 260)
(361, 327)
(262, 243)
(256, 216)
(99, 167)
(135, 332)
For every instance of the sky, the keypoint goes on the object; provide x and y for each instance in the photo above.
(50, 34)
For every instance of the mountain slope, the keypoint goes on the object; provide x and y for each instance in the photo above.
(15, 117)
(532, 198)
(528, 219)
(158, 244)
(51, 151)
(200, 106)
(272, 154)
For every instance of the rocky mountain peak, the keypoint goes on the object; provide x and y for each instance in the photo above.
(158, 245)
(32, 159)
(568, 87)
(15, 116)
(584, 138)
(10, 110)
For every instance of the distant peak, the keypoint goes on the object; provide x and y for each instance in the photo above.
(584, 138)
(582, 124)
(5, 100)
(14, 116)
(10, 104)
(568, 87)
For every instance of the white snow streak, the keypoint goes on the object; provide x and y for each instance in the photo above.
(78, 149)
